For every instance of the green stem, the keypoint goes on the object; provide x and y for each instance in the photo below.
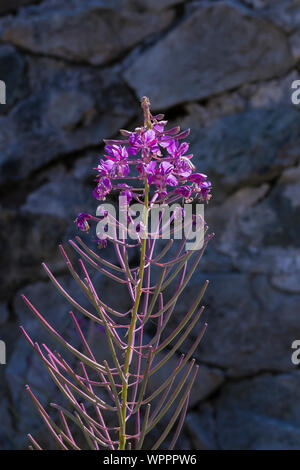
(132, 325)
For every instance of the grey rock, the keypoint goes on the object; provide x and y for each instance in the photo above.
(70, 109)
(25, 367)
(285, 14)
(207, 381)
(270, 93)
(285, 269)
(9, 334)
(8, 6)
(47, 199)
(295, 45)
(183, 442)
(4, 313)
(212, 259)
(32, 240)
(144, 5)
(7, 432)
(195, 55)
(83, 169)
(200, 426)
(12, 66)
(215, 107)
(255, 231)
(245, 148)
(256, 228)
(243, 221)
(47, 217)
(89, 32)
(257, 3)
(287, 282)
(247, 417)
(239, 312)
(49, 302)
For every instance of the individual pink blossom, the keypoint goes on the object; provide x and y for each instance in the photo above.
(103, 188)
(82, 221)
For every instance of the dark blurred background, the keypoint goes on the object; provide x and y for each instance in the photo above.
(75, 71)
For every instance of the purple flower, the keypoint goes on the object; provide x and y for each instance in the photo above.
(103, 188)
(116, 152)
(101, 242)
(164, 174)
(81, 221)
(147, 169)
(150, 171)
(159, 126)
(106, 168)
(119, 155)
(184, 191)
(135, 143)
(197, 178)
(183, 168)
(175, 149)
(144, 141)
(126, 192)
(205, 191)
(162, 177)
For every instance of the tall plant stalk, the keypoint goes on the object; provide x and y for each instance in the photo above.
(133, 323)
(107, 395)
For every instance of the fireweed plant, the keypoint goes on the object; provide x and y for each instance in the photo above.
(109, 405)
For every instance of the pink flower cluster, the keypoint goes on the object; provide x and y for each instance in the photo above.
(154, 154)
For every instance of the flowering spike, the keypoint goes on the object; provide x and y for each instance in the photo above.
(151, 165)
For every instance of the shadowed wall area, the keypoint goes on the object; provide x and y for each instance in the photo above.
(74, 72)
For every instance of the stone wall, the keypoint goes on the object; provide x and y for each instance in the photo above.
(74, 72)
